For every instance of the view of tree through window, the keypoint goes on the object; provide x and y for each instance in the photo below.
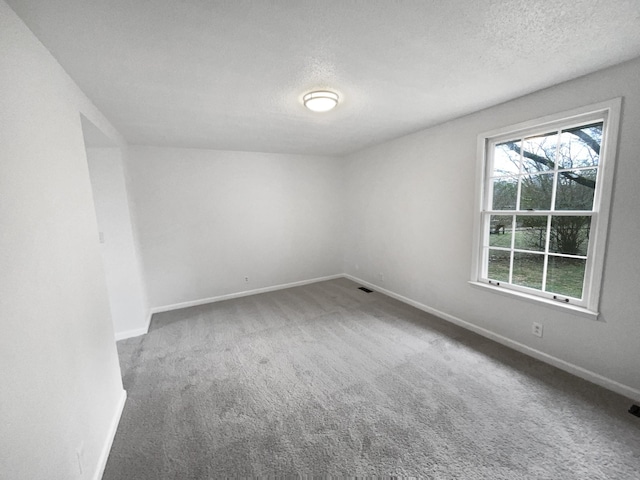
(540, 209)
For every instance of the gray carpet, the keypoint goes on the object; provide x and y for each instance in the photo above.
(327, 380)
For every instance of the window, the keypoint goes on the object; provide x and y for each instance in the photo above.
(543, 205)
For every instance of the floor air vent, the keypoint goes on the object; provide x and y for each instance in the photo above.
(364, 289)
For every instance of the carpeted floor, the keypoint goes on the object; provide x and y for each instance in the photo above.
(325, 380)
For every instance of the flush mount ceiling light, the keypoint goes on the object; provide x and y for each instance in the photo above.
(320, 101)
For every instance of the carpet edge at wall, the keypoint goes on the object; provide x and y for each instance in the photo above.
(601, 380)
(219, 298)
(569, 367)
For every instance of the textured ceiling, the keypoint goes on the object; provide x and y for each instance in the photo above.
(231, 74)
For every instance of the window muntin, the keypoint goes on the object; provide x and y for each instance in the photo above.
(542, 227)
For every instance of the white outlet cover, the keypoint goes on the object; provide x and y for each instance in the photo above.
(537, 329)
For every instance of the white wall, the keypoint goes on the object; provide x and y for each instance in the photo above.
(410, 214)
(129, 311)
(207, 219)
(60, 381)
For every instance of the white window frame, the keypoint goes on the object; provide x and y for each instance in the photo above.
(609, 113)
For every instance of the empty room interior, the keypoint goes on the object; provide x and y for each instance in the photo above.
(319, 238)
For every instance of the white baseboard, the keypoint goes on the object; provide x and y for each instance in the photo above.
(134, 333)
(593, 377)
(246, 293)
(576, 370)
(203, 301)
(111, 434)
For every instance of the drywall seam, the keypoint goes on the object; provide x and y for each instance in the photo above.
(111, 434)
(571, 368)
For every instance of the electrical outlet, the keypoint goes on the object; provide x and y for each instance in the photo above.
(536, 329)
(381, 276)
(246, 279)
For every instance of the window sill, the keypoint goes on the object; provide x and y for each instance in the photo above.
(563, 307)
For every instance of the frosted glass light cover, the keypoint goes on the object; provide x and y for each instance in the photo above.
(321, 101)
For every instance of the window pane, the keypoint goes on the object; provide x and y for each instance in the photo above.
(565, 276)
(505, 191)
(580, 147)
(539, 153)
(539, 217)
(499, 261)
(531, 232)
(576, 189)
(500, 230)
(528, 269)
(570, 235)
(536, 192)
(506, 159)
